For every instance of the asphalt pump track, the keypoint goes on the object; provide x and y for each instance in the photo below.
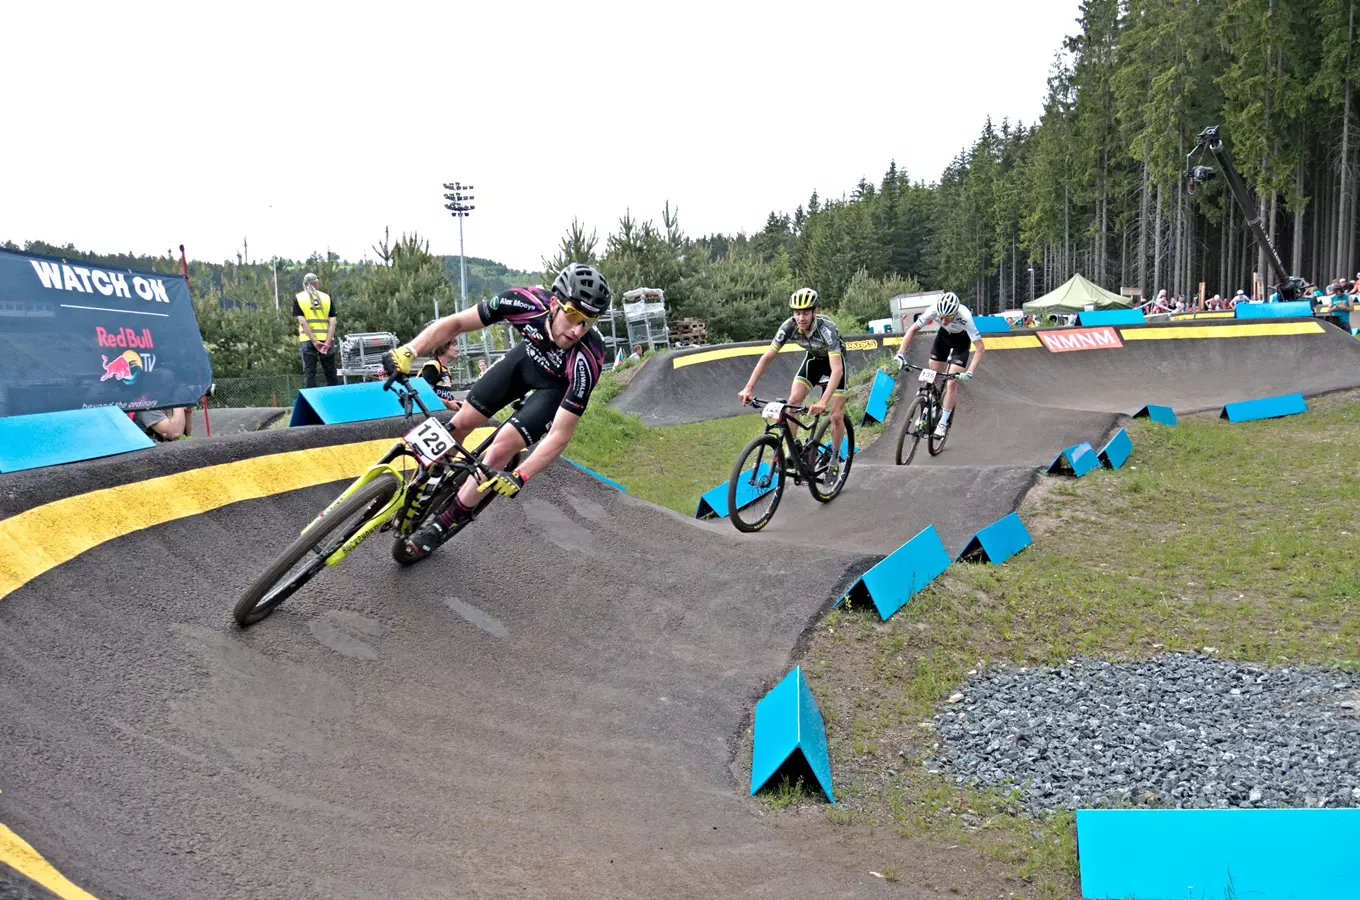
(552, 706)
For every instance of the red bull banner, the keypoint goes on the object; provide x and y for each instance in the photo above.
(75, 335)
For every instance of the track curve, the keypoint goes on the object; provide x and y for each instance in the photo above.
(551, 706)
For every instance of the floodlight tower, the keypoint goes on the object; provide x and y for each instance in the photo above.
(459, 204)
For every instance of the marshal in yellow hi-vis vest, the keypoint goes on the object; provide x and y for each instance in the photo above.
(317, 311)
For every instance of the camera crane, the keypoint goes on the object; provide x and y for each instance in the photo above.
(1291, 287)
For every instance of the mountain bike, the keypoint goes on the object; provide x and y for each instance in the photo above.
(924, 414)
(384, 498)
(778, 454)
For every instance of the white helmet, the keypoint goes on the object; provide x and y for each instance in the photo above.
(947, 305)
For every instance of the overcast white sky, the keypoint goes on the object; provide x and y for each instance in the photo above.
(140, 126)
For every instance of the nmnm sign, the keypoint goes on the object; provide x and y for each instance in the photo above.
(1080, 339)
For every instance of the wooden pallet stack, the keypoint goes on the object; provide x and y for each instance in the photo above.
(689, 331)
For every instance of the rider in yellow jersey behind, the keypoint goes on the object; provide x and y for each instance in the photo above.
(823, 365)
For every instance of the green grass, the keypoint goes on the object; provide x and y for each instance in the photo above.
(1242, 538)
(670, 466)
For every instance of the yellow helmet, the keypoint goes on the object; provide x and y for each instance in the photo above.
(803, 298)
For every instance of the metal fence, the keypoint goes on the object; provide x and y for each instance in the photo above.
(257, 391)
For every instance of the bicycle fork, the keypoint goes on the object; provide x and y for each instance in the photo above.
(373, 522)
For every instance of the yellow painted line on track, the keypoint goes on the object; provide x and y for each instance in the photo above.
(695, 359)
(46, 536)
(1256, 329)
(1014, 342)
(16, 853)
(992, 342)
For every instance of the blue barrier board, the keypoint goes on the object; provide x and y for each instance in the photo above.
(1264, 854)
(1116, 452)
(1287, 309)
(1264, 408)
(1076, 460)
(1111, 317)
(355, 403)
(902, 573)
(50, 439)
(991, 324)
(998, 542)
(714, 502)
(609, 481)
(788, 727)
(1164, 415)
(876, 407)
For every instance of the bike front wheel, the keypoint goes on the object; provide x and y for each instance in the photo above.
(760, 472)
(306, 556)
(910, 436)
(936, 444)
(823, 490)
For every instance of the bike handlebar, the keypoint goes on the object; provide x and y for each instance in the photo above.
(912, 368)
(406, 394)
(757, 403)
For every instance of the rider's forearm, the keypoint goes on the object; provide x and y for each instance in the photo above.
(761, 365)
(548, 449)
(977, 357)
(443, 330)
(906, 341)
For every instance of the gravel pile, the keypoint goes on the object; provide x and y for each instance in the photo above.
(1177, 731)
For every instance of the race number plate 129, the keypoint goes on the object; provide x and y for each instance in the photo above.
(429, 440)
(927, 376)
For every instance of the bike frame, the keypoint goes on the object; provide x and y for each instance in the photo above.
(933, 392)
(458, 458)
(788, 433)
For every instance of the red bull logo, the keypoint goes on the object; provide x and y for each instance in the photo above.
(125, 367)
(125, 337)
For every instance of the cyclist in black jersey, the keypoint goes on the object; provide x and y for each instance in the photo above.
(823, 364)
(559, 359)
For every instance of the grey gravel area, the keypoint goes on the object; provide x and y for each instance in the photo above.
(1185, 731)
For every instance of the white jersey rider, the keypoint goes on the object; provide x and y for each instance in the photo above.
(950, 352)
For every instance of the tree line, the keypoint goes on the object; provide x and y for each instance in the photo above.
(1093, 187)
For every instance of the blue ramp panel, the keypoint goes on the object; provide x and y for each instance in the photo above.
(1262, 854)
(1164, 415)
(904, 572)
(714, 502)
(876, 407)
(789, 730)
(998, 542)
(1111, 317)
(1289, 309)
(1117, 451)
(1265, 408)
(991, 324)
(50, 439)
(1076, 460)
(355, 403)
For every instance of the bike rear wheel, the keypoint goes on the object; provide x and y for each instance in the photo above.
(764, 456)
(910, 436)
(306, 556)
(821, 490)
